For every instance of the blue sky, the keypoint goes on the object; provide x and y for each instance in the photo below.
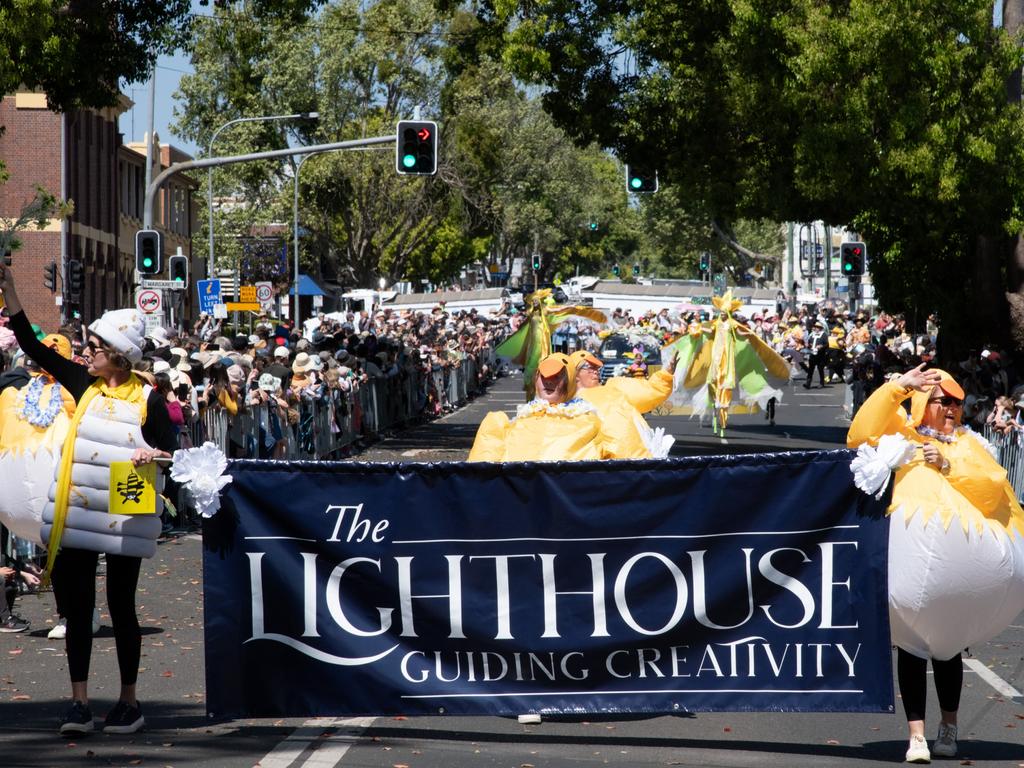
(169, 70)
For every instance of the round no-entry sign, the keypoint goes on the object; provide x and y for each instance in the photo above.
(148, 301)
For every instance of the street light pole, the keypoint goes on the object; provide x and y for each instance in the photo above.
(295, 237)
(209, 153)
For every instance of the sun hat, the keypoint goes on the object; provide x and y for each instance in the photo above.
(304, 362)
(123, 330)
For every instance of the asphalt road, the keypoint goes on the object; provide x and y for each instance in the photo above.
(33, 675)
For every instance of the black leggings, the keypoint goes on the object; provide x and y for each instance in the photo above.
(74, 586)
(913, 675)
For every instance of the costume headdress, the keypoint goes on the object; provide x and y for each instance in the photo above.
(919, 400)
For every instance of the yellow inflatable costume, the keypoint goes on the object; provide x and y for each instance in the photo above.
(541, 431)
(620, 401)
(956, 535)
(34, 423)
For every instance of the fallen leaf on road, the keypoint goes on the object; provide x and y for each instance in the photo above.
(833, 742)
(16, 651)
(727, 729)
(21, 697)
(167, 673)
(399, 717)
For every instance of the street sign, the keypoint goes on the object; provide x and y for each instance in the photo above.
(242, 306)
(264, 292)
(209, 295)
(148, 301)
(220, 311)
(162, 284)
(247, 294)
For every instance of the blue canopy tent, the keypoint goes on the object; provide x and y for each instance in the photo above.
(307, 290)
(307, 287)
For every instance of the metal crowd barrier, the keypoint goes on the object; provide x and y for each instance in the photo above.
(330, 424)
(1010, 455)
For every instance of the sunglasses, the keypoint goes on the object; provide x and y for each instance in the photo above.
(947, 401)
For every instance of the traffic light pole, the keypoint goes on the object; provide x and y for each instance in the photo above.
(212, 162)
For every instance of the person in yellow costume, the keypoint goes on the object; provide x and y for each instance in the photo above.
(620, 402)
(554, 426)
(956, 543)
(35, 413)
(726, 367)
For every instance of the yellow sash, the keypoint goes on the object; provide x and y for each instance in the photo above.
(131, 391)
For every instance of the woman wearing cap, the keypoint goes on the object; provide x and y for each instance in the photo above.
(117, 418)
(554, 426)
(956, 543)
(621, 401)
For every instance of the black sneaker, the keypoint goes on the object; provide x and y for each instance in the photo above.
(124, 718)
(13, 624)
(77, 721)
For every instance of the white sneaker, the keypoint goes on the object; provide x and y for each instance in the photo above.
(59, 631)
(945, 744)
(529, 719)
(918, 752)
(95, 621)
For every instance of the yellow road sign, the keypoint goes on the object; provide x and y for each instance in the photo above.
(242, 306)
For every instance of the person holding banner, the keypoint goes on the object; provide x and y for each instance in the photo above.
(621, 401)
(554, 426)
(116, 419)
(956, 543)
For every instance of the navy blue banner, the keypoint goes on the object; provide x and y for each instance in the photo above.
(751, 582)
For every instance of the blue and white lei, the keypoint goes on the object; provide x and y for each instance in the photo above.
(29, 403)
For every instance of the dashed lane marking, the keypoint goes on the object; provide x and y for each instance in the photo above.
(990, 677)
(330, 748)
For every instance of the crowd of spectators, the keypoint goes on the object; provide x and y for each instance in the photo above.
(283, 374)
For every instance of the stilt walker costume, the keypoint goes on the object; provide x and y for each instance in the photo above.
(532, 342)
(725, 367)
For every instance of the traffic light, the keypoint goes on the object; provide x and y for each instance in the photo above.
(416, 147)
(636, 270)
(705, 262)
(616, 270)
(50, 276)
(76, 277)
(149, 251)
(853, 259)
(639, 179)
(536, 262)
(177, 265)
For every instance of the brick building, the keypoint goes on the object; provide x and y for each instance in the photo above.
(174, 213)
(79, 156)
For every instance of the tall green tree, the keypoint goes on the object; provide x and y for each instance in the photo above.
(890, 116)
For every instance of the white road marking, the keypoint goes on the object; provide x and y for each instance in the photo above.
(311, 733)
(990, 677)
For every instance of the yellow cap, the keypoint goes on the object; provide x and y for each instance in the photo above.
(58, 343)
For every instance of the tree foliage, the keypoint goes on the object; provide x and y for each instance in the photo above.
(888, 115)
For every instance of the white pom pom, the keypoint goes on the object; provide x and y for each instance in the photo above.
(872, 466)
(201, 472)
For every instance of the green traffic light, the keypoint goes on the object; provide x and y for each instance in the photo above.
(636, 182)
(409, 161)
(147, 262)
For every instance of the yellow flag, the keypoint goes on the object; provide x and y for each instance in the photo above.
(132, 489)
